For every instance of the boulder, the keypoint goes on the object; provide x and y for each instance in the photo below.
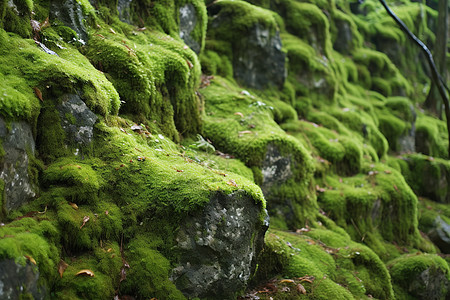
(420, 276)
(276, 168)
(258, 60)
(188, 21)
(19, 281)
(219, 246)
(439, 234)
(70, 13)
(344, 40)
(17, 141)
(77, 120)
(124, 9)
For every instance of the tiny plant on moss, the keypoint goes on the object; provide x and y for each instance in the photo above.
(203, 144)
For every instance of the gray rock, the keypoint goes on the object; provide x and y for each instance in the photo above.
(17, 280)
(70, 13)
(16, 140)
(124, 9)
(258, 60)
(188, 21)
(77, 119)
(344, 38)
(431, 284)
(219, 246)
(440, 235)
(276, 168)
(407, 142)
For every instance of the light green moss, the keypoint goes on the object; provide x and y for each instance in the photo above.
(155, 77)
(406, 272)
(342, 269)
(242, 124)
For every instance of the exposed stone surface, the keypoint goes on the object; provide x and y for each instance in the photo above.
(19, 282)
(344, 38)
(16, 139)
(276, 168)
(429, 177)
(76, 119)
(430, 284)
(188, 21)
(70, 13)
(407, 142)
(219, 246)
(258, 60)
(124, 9)
(440, 235)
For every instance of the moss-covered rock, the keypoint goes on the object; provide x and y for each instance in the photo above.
(242, 124)
(252, 35)
(420, 276)
(326, 264)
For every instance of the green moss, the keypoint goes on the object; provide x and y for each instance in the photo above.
(341, 269)
(406, 272)
(149, 266)
(380, 201)
(154, 75)
(431, 136)
(79, 181)
(105, 266)
(33, 238)
(242, 124)
(309, 72)
(392, 128)
(31, 68)
(428, 176)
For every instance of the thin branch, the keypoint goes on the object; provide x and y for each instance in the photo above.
(436, 77)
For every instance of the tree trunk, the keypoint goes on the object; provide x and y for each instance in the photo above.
(433, 102)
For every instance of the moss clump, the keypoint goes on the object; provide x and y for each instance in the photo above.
(408, 273)
(377, 203)
(392, 128)
(154, 75)
(309, 72)
(79, 181)
(242, 124)
(337, 267)
(31, 68)
(35, 240)
(428, 176)
(431, 136)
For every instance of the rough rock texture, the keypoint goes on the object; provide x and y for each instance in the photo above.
(440, 235)
(76, 119)
(420, 277)
(258, 60)
(430, 178)
(344, 38)
(407, 142)
(16, 139)
(70, 13)
(188, 20)
(276, 168)
(219, 247)
(19, 282)
(124, 9)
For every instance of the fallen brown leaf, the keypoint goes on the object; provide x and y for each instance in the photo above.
(30, 259)
(38, 93)
(74, 206)
(301, 289)
(62, 266)
(85, 272)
